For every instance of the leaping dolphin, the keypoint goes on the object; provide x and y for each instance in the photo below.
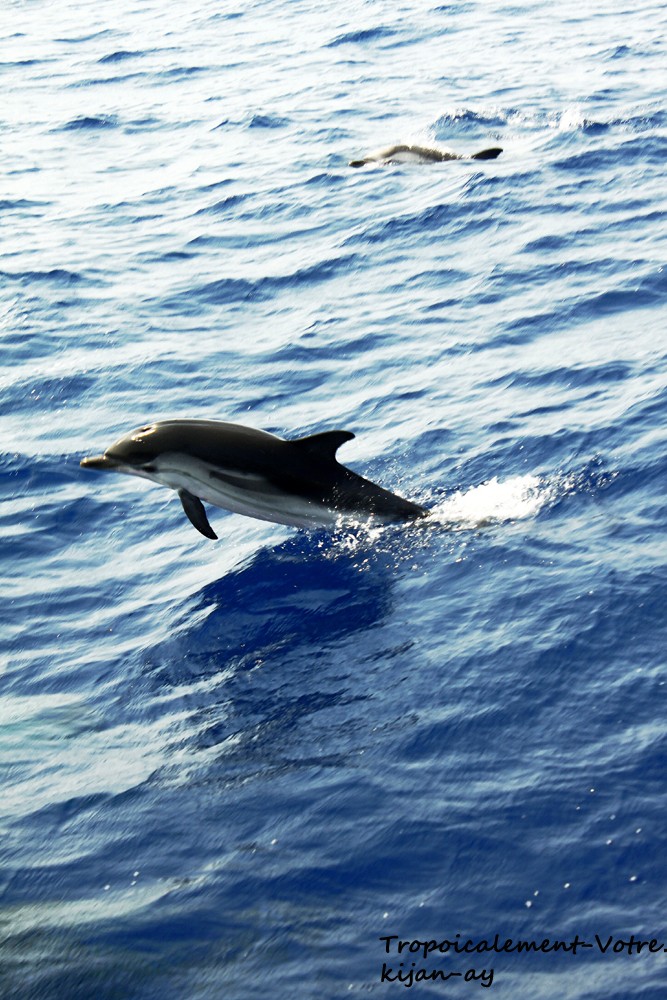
(251, 472)
(421, 154)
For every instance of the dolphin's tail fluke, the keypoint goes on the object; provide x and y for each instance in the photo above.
(487, 154)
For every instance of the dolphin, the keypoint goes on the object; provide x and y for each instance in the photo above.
(297, 482)
(421, 154)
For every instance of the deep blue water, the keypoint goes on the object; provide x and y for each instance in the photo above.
(230, 768)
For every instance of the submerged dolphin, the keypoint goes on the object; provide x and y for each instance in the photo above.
(421, 154)
(252, 472)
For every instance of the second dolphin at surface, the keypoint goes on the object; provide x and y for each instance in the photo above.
(421, 154)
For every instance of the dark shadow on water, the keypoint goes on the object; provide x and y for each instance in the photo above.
(287, 636)
(308, 591)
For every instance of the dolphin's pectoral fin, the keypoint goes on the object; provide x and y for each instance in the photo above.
(194, 509)
(324, 445)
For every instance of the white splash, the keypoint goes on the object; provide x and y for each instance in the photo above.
(493, 502)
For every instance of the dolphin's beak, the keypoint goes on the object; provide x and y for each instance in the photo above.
(99, 462)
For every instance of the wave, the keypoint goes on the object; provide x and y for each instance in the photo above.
(120, 56)
(470, 119)
(267, 121)
(89, 123)
(361, 36)
(641, 150)
(227, 290)
(572, 118)
(452, 214)
(221, 207)
(180, 72)
(633, 294)
(57, 275)
(256, 120)
(9, 205)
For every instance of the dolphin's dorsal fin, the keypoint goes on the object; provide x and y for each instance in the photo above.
(487, 154)
(325, 445)
(194, 508)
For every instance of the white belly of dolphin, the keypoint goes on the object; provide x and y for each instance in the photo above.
(241, 493)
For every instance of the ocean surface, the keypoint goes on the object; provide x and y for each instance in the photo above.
(251, 768)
